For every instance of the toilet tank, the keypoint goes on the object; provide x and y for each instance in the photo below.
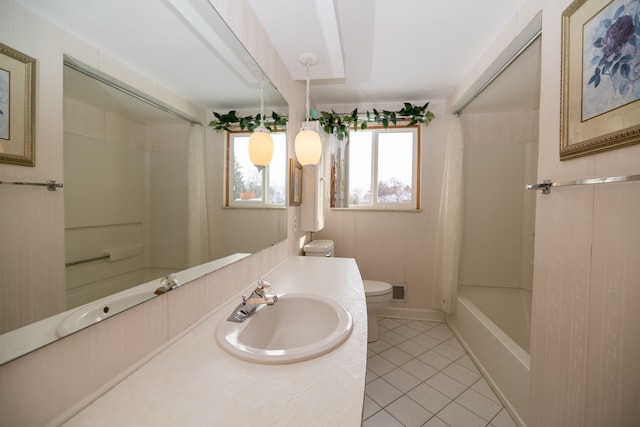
(319, 248)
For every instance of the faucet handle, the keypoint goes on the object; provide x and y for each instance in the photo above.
(263, 285)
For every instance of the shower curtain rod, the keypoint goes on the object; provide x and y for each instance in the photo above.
(137, 96)
(495, 76)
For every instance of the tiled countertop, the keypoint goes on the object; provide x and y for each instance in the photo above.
(195, 382)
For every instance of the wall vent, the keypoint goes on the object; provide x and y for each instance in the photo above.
(399, 292)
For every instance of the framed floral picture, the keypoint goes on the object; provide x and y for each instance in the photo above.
(17, 107)
(600, 104)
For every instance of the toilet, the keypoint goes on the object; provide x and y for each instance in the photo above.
(377, 294)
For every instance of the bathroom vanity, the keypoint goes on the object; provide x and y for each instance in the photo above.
(195, 382)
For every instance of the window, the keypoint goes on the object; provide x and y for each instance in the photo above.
(383, 168)
(245, 183)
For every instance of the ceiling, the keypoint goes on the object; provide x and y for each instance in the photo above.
(369, 51)
(381, 50)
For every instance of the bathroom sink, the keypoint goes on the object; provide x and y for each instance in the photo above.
(298, 327)
(94, 312)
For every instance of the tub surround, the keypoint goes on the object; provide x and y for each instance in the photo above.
(195, 382)
(501, 360)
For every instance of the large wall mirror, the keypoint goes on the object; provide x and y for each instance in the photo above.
(143, 180)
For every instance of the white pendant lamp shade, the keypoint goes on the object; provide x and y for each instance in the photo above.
(308, 147)
(261, 148)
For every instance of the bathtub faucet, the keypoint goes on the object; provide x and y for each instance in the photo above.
(169, 283)
(248, 306)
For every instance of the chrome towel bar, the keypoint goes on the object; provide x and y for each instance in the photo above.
(545, 186)
(51, 184)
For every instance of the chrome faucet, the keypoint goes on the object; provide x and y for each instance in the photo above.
(248, 306)
(169, 283)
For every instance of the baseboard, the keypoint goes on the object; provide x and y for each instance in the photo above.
(413, 314)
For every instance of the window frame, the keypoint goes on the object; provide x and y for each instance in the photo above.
(415, 204)
(229, 181)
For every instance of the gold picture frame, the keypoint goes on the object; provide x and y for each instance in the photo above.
(295, 183)
(17, 107)
(600, 101)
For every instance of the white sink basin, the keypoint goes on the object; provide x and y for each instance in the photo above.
(298, 327)
(94, 312)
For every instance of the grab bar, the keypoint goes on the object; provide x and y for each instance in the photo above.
(545, 186)
(82, 261)
(51, 184)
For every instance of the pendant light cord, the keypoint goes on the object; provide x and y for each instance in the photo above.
(262, 118)
(308, 93)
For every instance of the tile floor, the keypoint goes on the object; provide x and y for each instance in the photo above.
(418, 374)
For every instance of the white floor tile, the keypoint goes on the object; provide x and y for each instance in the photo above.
(392, 338)
(483, 387)
(422, 326)
(382, 392)
(503, 419)
(418, 374)
(419, 369)
(385, 322)
(379, 346)
(461, 374)
(434, 359)
(406, 331)
(479, 404)
(411, 347)
(379, 365)
(441, 332)
(370, 407)
(429, 398)
(382, 419)
(426, 340)
(458, 416)
(468, 363)
(401, 380)
(449, 352)
(446, 385)
(396, 356)
(408, 412)
(370, 376)
(436, 422)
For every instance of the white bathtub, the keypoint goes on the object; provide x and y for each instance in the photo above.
(499, 351)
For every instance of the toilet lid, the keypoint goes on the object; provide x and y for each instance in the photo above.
(373, 287)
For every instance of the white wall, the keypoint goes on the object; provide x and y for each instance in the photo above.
(398, 247)
(585, 340)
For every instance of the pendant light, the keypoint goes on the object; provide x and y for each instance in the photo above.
(260, 142)
(308, 146)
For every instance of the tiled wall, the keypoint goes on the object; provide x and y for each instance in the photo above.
(500, 158)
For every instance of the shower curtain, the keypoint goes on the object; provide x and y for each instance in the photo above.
(198, 229)
(450, 219)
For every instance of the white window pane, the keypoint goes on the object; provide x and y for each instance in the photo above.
(246, 178)
(360, 151)
(278, 170)
(395, 167)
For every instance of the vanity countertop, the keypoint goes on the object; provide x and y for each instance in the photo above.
(194, 382)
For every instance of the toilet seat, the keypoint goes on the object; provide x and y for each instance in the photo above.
(375, 288)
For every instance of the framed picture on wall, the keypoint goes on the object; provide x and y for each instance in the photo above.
(17, 107)
(600, 105)
(295, 183)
